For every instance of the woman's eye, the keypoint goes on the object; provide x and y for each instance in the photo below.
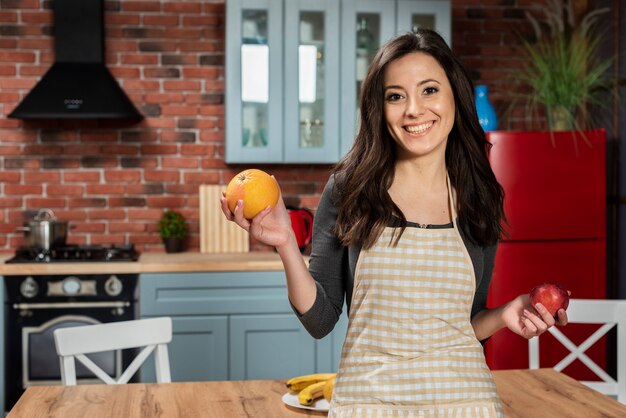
(430, 90)
(393, 97)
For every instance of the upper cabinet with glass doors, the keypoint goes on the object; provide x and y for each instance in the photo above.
(289, 96)
(366, 26)
(282, 81)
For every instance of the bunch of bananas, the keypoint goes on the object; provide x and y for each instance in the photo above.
(312, 386)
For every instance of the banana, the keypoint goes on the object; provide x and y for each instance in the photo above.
(296, 384)
(311, 393)
(328, 388)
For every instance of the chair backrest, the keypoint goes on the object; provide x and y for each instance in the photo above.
(609, 313)
(153, 334)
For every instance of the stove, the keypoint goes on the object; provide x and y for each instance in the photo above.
(76, 253)
(35, 305)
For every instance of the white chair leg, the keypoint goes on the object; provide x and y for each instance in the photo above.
(162, 362)
(68, 371)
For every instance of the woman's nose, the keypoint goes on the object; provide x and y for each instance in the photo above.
(414, 107)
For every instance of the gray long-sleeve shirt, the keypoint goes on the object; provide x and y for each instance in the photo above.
(333, 265)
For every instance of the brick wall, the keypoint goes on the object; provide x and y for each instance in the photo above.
(112, 180)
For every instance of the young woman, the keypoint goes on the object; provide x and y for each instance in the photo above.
(406, 232)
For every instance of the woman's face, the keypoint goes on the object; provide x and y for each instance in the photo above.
(419, 105)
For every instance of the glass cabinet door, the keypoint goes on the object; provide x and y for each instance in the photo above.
(366, 26)
(431, 14)
(311, 81)
(253, 81)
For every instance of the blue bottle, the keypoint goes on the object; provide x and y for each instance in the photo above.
(486, 113)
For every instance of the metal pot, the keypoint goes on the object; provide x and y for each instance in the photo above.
(45, 231)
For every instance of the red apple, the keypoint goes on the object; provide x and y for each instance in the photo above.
(552, 296)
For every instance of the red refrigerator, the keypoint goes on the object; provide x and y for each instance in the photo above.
(555, 203)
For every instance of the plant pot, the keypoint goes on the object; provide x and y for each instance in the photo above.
(174, 244)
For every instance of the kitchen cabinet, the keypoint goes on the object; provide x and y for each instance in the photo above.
(294, 69)
(366, 26)
(233, 326)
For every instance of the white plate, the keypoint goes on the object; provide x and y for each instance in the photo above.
(291, 399)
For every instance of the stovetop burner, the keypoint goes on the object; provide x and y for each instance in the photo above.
(73, 253)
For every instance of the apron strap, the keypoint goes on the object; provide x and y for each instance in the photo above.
(452, 202)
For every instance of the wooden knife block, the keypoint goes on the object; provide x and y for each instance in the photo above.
(218, 235)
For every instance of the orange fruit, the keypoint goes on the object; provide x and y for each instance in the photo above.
(256, 188)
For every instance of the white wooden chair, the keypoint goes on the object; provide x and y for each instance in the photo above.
(153, 334)
(610, 313)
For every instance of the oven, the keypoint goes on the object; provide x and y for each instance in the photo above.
(36, 305)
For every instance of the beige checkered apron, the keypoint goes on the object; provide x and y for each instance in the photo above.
(410, 350)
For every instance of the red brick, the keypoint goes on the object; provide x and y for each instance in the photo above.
(10, 202)
(195, 149)
(41, 177)
(144, 214)
(7, 70)
(10, 150)
(104, 214)
(167, 20)
(179, 110)
(105, 189)
(201, 72)
(169, 162)
(142, 86)
(120, 150)
(160, 98)
(202, 177)
(140, 59)
(181, 189)
(169, 202)
(161, 175)
(182, 7)
(64, 190)
(159, 149)
(81, 176)
(141, 6)
(71, 215)
(81, 227)
(181, 85)
(113, 19)
(16, 57)
(116, 227)
(22, 189)
(96, 202)
(203, 21)
(122, 176)
(44, 202)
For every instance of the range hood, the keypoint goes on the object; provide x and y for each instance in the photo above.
(78, 85)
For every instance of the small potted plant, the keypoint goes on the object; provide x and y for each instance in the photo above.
(173, 229)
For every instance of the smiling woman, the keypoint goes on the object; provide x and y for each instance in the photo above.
(388, 241)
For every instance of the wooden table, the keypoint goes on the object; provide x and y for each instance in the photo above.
(525, 393)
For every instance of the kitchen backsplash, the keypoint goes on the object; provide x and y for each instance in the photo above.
(112, 180)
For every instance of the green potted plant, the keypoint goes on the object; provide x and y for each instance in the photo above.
(564, 74)
(173, 229)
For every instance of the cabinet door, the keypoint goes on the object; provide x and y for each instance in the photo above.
(254, 82)
(269, 347)
(431, 14)
(366, 26)
(311, 77)
(198, 351)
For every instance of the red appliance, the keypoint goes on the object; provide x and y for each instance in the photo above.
(555, 203)
(302, 225)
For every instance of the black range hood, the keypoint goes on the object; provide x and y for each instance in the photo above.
(78, 85)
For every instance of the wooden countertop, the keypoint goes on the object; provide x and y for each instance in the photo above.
(153, 263)
(542, 393)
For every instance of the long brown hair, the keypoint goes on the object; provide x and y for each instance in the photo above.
(364, 176)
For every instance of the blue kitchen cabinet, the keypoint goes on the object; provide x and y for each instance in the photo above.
(295, 68)
(269, 345)
(282, 61)
(195, 337)
(234, 325)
